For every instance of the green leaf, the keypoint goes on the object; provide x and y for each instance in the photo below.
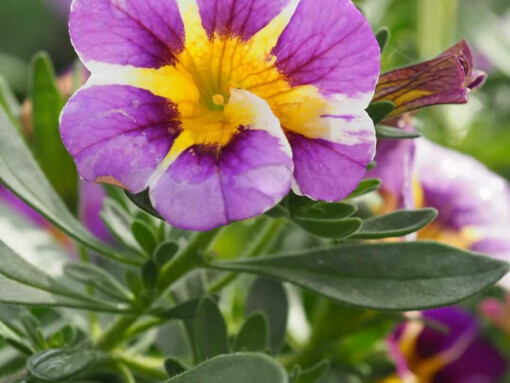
(365, 187)
(118, 223)
(144, 236)
(13, 339)
(150, 274)
(185, 310)
(103, 281)
(388, 276)
(20, 173)
(52, 156)
(143, 201)
(383, 37)
(254, 334)
(312, 375)
(62, 364)
(242, 367)
(13, 293)
(325, 211)
(389, 132)
(165, 252)
(330, 228)
(9, 103)
(174, 367)
(396, 224)
(133, 282)
(210, 330)
(33, 330)
(268, 296)
(379, 110)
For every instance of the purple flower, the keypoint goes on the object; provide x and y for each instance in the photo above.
(454, 353)
(219, 107)
(447, 79)
(473, 202)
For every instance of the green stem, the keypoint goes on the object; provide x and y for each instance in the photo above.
(142, 365)
(115, 334)
(265, 238)
(190, 258)
(125, 374)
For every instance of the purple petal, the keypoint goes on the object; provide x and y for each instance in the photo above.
(142, 33)
(330, 165)
(446, 79)
(202, 190)
(330, 46)
(91, 203)
(118, 134)
(243, 18)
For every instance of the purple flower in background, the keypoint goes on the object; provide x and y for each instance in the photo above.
(454, 352)
(447, 79)
(473, 202)
(497, 312)
(219, 107)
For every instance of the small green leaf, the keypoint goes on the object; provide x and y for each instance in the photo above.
(174, 367)
(70, 334)
(210, 330)
(150, 274)
(32, 329)
(133, 282)
(313, 374)
(242, 367)
(278, 211)
(9, 103)
(326, 211)
(47, 103)
(330, 228)
(389, 132)
(371, 165)
(383, 37)
(400, 276)
(269, 297)
(185, 310)
(379, 110)
(99, 278)
(254, 334)
(143, 201)
(365, 187)
(396, 224)
(20, 173)
(144, 236)
(63, 364)
(14, 339)
(165, 252)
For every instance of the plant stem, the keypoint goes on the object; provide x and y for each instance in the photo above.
(265, 238)
(187, 260)
(126, 374)
(145, 366)
(190, 258)
(114, 335)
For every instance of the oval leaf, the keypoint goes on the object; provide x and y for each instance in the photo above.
(254, 334)
(388, 276)
(396, 224)
(365, 187)
(210, 330)
(330, 228)
(379, 110)
(269, 297)
(242, 367)
(388, 132)
(55, 365)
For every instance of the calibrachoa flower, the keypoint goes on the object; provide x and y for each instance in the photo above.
(454, 353)
(218, 107)
(473, 202)
(447, 79)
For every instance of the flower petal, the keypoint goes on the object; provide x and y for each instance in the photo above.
(118, 134)
(142, 33)
(446, 79)
(242, 18)
(331, 161)
(332, 47)
(205, 186)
